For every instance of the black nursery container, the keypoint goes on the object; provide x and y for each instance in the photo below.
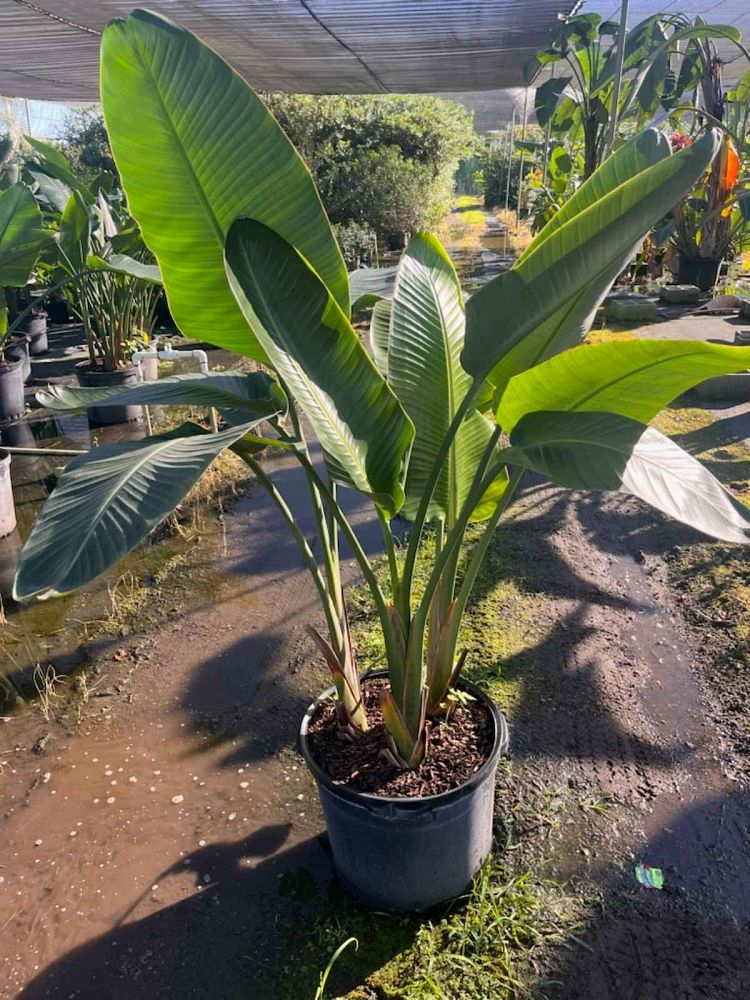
(408, 855)
(36, 330)
(104, 416)
(12, 401)
(17, 349)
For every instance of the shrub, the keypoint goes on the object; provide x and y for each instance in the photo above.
(386, 162)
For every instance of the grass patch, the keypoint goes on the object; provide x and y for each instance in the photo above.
(608, 334)
(481, 949)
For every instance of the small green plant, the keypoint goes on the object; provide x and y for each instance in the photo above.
(321, 990)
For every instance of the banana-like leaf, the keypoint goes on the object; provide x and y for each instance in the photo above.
(606, 451)
(569, 324)
(254, 393)
(380, 334)
(202, 151)
(359, 422)
(368, 285)
(634, 378)
(700, 32)
(54, 163)
(120, 263)
(547, 96)
(576, 258)
(75, 234)
(53, 191)
(107, 501)
(426, 338)
(21, 235)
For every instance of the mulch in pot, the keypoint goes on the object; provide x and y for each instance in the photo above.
(457, 749)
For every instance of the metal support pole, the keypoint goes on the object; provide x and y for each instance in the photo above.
(523, 155)
(511, 144)
(547, 137)
(619, 60)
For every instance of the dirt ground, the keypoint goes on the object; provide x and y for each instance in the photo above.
(161, 838)
(160, 847)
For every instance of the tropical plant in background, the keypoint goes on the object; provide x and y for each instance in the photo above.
(22, 239)
(576, 101)
(462, 398)
(714, 222)
(550, 188)
(100, 262)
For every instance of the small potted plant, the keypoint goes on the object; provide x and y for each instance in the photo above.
(22, 238)
(438, 422)
(113, 294)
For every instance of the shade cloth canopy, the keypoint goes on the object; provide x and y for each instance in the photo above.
(49, 49)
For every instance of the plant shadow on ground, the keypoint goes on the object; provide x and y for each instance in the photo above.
(267, 927)
(219, 942)
(641, 944)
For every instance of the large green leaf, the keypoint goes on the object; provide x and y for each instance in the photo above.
(53, 162)
(360, 424)
(120, 263)
(107, 501)
(368, 285)
(197, 149)
(426, 338)
(52, 191)
(605, 451)
(575, 259)
(568, 325)
(380, 334)
(701, 32)
(75, 234)
(21, 235)
(634, 378)
(547, 96)
(255, 392)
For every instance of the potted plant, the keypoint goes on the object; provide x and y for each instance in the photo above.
(113, 294)
(712, 221)
(21, 240)
(460, 402)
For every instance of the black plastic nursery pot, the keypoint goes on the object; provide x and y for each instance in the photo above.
(408, 855)
(7, 508)
(36, 330)
(700, 271)
(12, 402)
(97, 378)
(17, 349)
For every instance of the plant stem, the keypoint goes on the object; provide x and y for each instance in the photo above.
(390, 549)
(419, 521)
(329, 608)
(391, 646)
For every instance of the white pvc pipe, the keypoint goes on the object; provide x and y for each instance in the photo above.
(168, 353)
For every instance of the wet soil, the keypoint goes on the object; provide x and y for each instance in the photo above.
(456, 750)
(165, 842)
(616, 761)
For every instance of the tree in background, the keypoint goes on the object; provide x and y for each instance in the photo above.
(384, 165)
(84, 141)
(386, 162)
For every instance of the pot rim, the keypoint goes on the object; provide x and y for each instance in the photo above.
(6, 365)
(89, 369)
(499, 746)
